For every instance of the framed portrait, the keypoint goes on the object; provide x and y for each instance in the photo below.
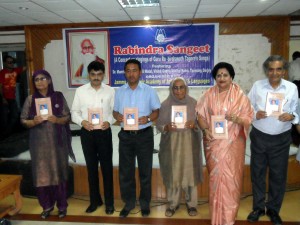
(274, 104)
(219, 127)
(179, 115)
(95, 117)
(43, 107)
(83, 46)
(131, 119)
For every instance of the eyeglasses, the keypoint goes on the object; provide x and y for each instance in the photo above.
(178, 88)
(9, 62)
(40, 79)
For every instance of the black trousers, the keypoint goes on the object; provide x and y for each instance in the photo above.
(269, 152)
(131, 147)
(97, 147)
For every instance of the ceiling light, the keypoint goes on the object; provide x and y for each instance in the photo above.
(138, 3)
(146, 18)
(23, 8)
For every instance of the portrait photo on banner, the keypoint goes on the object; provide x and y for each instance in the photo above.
(83, 46)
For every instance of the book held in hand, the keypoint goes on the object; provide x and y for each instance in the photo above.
(43, 107)
(274, 104)
(131, 119)
(95, 116)
(219, 127)
(179, 116)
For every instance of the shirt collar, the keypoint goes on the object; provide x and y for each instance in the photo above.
(282, 84)
(139, 86)
(91, 88)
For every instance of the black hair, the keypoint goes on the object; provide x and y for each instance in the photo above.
(296, 55)
(8, 57)
(96, 65)
(222, 65)
(133, 61)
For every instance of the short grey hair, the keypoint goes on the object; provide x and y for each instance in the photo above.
(274, 58)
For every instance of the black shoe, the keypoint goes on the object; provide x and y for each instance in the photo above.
(93, 207)
(255, 214)
(274, 216)
(62, 213)
(109, 210)
(46, 213)
(124, 213)
(145, 212)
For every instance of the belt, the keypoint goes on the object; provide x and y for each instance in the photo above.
(136, 131)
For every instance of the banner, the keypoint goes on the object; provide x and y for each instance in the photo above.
(166, 52)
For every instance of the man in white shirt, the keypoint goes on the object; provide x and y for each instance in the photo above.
(96, 144)
(294, 67)
(270, 140)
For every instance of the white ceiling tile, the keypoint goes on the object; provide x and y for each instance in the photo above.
(100, 4)
(209, 15)
(58, 5)
(15, 7)
(152, 17)
(107, 13)
(114, 19)
(217, 2)
(283, 7)
(180, 10)
(177, 16)
(221, 8)
(178, 3)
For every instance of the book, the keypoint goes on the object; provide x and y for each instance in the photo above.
(219, 127)
(95, 117)
(43, 107)
(131, 119)
(274, 104)
(179, 116)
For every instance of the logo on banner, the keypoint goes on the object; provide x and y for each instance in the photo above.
(160, 36)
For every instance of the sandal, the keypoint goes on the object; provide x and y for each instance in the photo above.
(192, 211)
(62, 213)
(46, 213)
(170, 212)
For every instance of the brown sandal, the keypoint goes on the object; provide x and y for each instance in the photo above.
(170, 212)
(192, 211)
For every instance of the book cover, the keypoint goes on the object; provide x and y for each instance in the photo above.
(219, 127)
(179, 116)
(95, 117)
(43, 107)
(131, 119)
(274, 104)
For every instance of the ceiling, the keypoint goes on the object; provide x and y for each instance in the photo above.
(79, 11)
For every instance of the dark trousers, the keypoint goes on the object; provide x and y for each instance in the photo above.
(132, 146)
(49, 195)
(97, 147)
(269, 152)
(13, 116)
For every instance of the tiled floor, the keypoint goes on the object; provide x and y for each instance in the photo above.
(77, 205)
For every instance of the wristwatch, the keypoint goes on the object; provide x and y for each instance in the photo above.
(148, 119)
(292, 113)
